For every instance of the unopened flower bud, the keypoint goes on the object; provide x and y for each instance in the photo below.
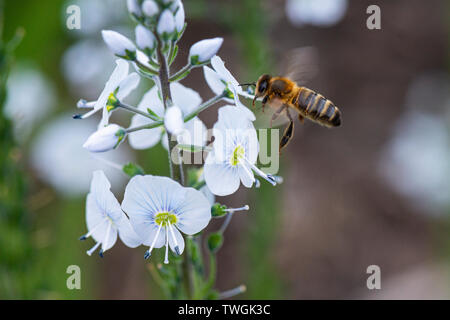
(166, 23)
(133, 8)
(204, 50)
(179, 17)
(145, 39)
(150, 8)
(105, 139)
(173, 120)
(120, 45)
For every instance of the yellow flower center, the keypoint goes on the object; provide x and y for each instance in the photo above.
(165, 218)
(238, 153)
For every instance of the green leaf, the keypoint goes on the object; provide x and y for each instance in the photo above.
(153, 115)
(174, 55)
(132, 169)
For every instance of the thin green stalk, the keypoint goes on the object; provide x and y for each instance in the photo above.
(134, 110)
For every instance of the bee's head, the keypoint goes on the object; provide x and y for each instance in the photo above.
(261, 86)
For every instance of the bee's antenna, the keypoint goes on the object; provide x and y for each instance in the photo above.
(247, 84)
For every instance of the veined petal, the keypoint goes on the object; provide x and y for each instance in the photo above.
(127, 233)
(221, 178)
(194, 212)
(178, 237)
(246, 176)
(214, 80)
(110, 238)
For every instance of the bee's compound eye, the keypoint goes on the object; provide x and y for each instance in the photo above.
(262, 86)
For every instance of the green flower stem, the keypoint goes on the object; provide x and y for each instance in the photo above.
(182, 73)
(226, 222)
(190, 116)
(145, 126)
(134, 109)
(146, 68)
(204, 106)
(175, 174)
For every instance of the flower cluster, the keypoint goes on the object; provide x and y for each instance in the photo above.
(156, 211)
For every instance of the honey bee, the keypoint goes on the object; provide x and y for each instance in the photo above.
(284, 94)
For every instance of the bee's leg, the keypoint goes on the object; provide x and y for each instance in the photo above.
(301, 118)
(277, 113)
(288, 113)
(266, 98)
(287, 136)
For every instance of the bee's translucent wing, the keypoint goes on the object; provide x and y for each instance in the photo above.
(263, 118)
(301, 65)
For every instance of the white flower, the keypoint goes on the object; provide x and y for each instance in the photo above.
(202, 51)
(31, 96)
(150, 8)
(105, 218)
(166, 24)
(59, 160)
(234, 155)
(179, 16)
(220, 80)
(120, 45)
(173, 120)
(105, 139)
(316, 12)
(159, 208)
(144, 38)
(120, 82)
(187, 100)
(133, 7)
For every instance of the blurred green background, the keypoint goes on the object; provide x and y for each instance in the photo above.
(376, 191)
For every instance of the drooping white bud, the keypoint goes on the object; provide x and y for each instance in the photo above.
(120, 45)
(180, 17)
(173, 120)
(105, 139)
(150, 8)
(133, 7)
(144, 38)
(204, 50)
(166, 24)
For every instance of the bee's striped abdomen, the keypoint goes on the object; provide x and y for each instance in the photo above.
(317, 108)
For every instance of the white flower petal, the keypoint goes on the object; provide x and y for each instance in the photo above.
(127, 85)
(246, 176)
(120, 72)
(218, 65)
(179, 239)
(147, 138)
(221, 178)
(127, 233)
(185, 98)
(110, 238)
(214, 80)
(194, 133)
(194, 212)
